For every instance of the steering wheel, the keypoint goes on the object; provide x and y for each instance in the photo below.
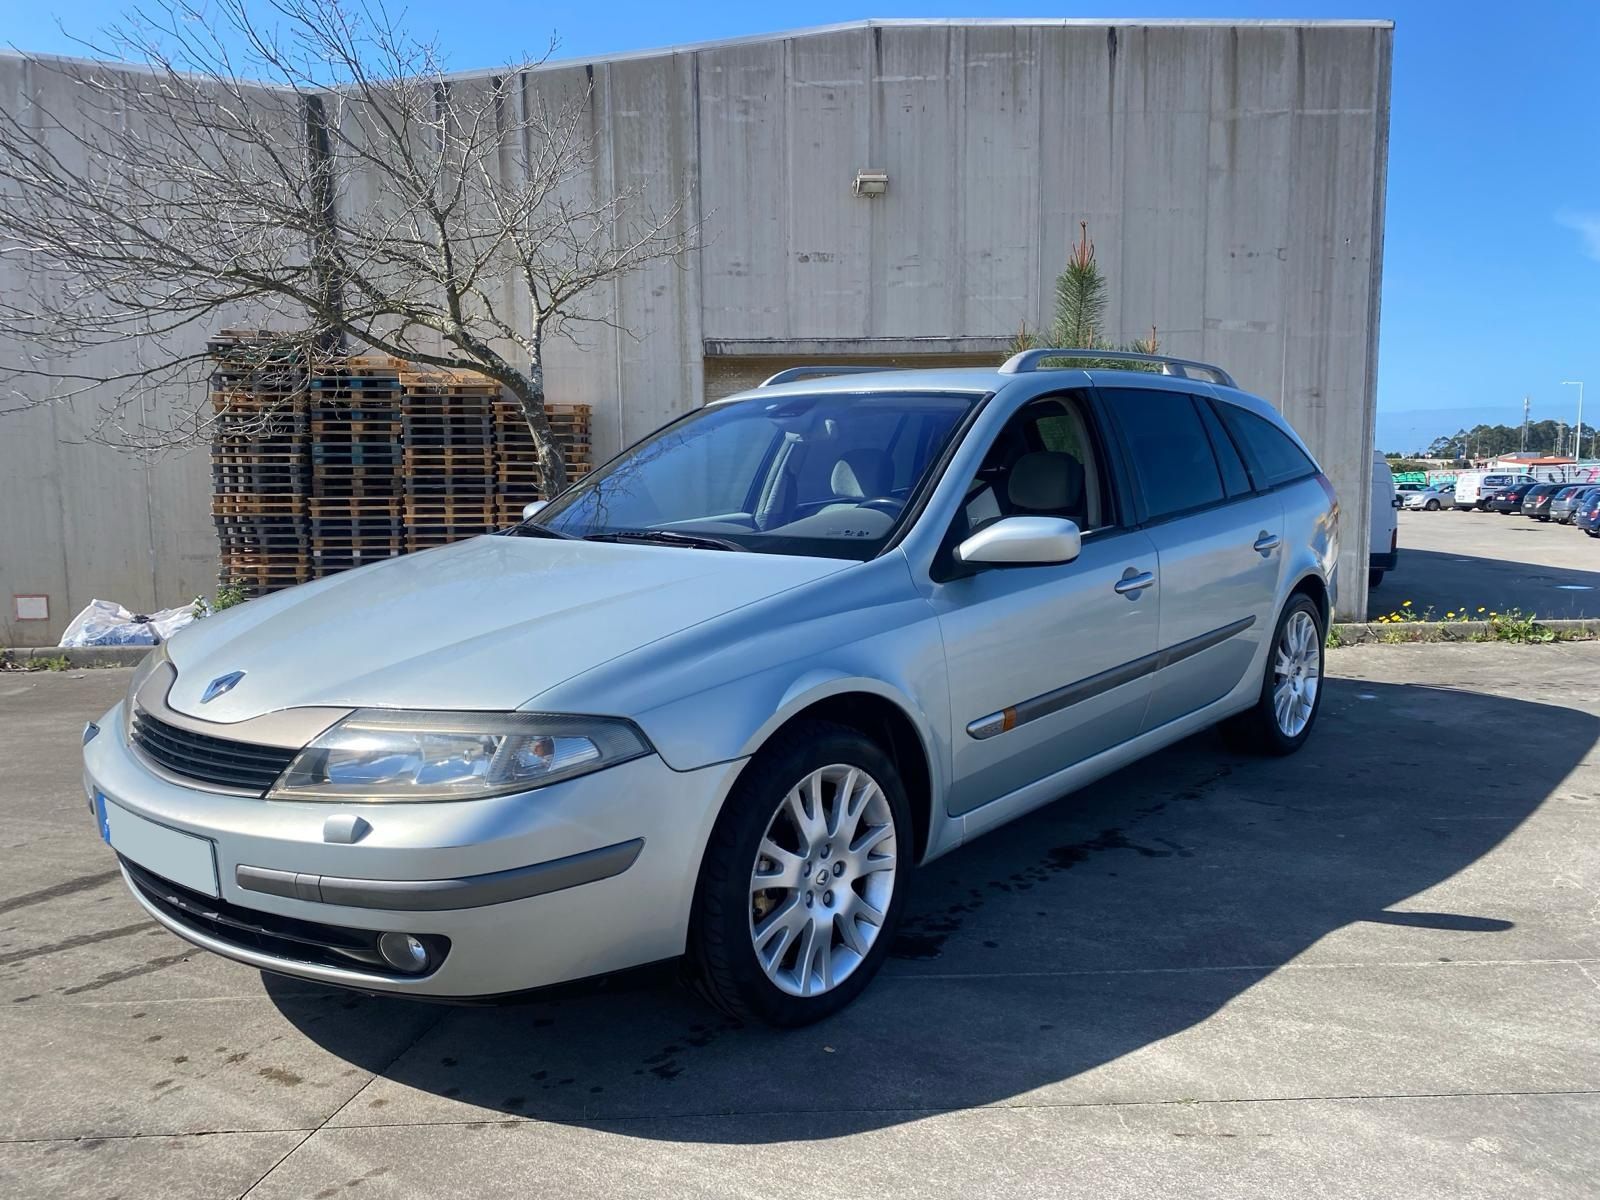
(884, 504)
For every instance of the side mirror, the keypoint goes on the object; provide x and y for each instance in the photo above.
(1022, 542)
(531, 509)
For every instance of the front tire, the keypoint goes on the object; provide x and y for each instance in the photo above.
(1432, 506)
(804, 878)
(1291, 688)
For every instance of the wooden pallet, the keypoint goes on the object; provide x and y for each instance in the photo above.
(259, 574)
(323, 465)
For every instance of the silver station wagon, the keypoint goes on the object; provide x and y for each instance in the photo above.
(717, 700)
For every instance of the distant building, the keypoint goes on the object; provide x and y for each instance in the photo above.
(1551, 468)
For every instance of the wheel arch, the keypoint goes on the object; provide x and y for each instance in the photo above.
(1311, 584)
(876, 711)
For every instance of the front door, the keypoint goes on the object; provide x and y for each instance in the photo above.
(1048, 665)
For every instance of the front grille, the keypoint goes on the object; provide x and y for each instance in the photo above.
(206, 759)
(267, 933)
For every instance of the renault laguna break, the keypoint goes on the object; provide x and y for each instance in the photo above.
(719, 698)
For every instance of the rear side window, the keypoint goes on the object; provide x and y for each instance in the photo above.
(1234, 477)
(1172, 458)
(1274, 458)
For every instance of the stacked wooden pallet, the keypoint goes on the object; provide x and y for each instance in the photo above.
(260, 466)
(516, 462)
(359, 458)
(449, 458)
(355, 513)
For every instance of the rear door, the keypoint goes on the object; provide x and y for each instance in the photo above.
(1218, 544)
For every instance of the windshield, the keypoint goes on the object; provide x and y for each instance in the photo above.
(826, 475)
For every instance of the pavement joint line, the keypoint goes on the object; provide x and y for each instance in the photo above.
(1270, 968)
(965, 1109)
(905, 974)
(351, 1099)
(744, 1114)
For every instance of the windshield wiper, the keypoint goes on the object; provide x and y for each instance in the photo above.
(534, 529)
(670, 537)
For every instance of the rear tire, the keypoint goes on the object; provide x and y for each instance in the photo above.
(1291, 687)
(837, 853)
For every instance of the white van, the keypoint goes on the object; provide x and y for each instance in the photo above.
(1473, 486)
(1384, 551)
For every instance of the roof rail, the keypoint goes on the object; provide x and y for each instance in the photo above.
(1030, 360)
(793, 373)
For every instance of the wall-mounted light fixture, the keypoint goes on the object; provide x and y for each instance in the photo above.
(870, 183)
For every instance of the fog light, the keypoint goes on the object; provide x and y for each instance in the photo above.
(403, 952)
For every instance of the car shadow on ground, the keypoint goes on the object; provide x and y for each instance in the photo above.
(1463, 583)
(1085, 932)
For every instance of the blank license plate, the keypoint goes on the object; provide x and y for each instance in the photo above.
(181, 857)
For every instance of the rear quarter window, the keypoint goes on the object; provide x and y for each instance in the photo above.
(1272, 454)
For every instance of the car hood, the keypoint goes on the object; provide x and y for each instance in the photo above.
(482, 624)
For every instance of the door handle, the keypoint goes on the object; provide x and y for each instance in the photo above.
(1133, 582)
(1266, 543)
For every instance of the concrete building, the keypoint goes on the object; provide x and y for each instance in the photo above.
(1232, 176)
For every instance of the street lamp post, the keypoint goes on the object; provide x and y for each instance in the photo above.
(1577, 437)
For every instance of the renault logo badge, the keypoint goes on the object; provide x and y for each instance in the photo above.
(221, 684)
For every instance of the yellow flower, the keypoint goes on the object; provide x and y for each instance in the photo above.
(1405, 604)
(1450, 616)
(1480, 608)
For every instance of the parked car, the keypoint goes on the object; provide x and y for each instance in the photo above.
(1564, 503)
(1586, 514)
(1405, 489)
(1473, 488)
(1507, 500)
(721, 696)
(1432, 498)
(1383, 546)
(1536, 500)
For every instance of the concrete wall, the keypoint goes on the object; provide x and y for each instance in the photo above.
(1232, 177)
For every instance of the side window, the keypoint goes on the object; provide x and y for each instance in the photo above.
(1173, 463)
(1274, 458)
(1047, 461)
(1235, 480)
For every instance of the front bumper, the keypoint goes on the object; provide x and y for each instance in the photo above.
(588, 876)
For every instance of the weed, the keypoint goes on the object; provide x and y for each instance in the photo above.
(228, 594)
(1513, 626)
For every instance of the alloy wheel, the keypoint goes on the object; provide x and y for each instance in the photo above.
(1297, 671)
(823, 879)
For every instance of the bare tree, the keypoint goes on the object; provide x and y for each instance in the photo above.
(303, 163)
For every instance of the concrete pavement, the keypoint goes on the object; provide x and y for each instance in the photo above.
(1372, 970)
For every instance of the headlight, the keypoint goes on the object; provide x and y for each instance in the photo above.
(377, 754)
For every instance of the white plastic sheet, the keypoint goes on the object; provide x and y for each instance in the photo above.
(107, 623)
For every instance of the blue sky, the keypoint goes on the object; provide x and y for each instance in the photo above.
(1492, 256)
